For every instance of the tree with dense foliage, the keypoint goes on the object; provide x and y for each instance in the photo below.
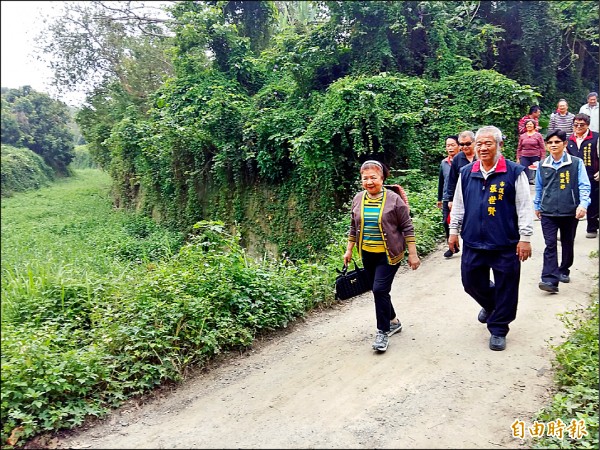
(34, 120)
(286, 98)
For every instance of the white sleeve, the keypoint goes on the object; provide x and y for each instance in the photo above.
(458, 209)
(524, 206)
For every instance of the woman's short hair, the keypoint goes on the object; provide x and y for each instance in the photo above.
(562, 135)
(374, 164)
(529, 121)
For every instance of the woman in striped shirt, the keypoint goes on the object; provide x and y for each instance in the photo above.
(381, 229)
(561, 119)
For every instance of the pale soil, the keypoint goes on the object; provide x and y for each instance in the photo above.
(320, 385)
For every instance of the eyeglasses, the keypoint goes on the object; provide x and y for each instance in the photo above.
(465, 144)
(580, 125)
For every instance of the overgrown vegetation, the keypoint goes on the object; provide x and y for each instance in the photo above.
(267, 108)
(82, 158)
(577, 374)
(117, 305)
(23, 170)
(33, 120)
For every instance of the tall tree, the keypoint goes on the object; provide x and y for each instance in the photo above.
(92, 43)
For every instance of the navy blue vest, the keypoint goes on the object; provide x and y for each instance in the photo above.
(490, 221)
(560, 194)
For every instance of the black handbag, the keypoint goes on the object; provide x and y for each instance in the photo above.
(349, 284)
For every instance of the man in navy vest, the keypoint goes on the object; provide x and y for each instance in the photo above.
(493, 211)
(583, 143)
(562, 197)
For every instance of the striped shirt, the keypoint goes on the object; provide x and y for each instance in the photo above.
(372, 240)
(561, 122)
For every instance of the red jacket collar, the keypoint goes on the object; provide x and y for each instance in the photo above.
(588, 137)
(500, 166)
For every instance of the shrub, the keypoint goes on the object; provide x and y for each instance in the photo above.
(576, 375)
(22, 170)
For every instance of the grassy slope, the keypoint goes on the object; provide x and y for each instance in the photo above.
(64, 231)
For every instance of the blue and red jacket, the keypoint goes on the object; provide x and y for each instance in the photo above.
(490, 221)
(588, 152)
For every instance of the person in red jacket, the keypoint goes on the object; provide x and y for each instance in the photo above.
(534, 114)
(583, 143)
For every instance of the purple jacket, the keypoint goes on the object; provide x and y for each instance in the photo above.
(395, 224)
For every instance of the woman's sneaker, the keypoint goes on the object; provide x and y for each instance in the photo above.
(394, 328)
(381, 341)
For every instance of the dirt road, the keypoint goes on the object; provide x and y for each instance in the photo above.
(320, 385)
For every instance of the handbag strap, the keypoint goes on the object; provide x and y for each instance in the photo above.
(345, 268)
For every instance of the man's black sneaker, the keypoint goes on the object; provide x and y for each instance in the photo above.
(548, 287)
(483, 315)
(497, 343)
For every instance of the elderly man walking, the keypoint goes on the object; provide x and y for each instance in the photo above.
(591, 109)
(493, 211)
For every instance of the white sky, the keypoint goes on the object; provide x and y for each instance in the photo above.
(20, 22)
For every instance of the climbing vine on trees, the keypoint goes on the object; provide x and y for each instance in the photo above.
(266, 117)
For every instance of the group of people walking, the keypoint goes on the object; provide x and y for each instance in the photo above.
(486, 199)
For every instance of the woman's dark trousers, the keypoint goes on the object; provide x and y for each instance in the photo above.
(526, 161)
(382, 274)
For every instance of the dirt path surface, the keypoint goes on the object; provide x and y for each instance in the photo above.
(320, 385)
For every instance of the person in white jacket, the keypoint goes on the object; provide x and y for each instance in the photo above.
(591, 109)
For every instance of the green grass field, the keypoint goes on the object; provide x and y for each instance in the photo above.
(100, 304)
(68, 231)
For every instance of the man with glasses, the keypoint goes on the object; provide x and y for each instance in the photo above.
(466, 155)
(583, 143)
(493, 212)
(562, 196)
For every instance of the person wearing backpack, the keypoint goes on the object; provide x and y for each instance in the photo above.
(382, 230)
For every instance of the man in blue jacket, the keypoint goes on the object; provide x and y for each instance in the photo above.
(562, 196)
(492, 208)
